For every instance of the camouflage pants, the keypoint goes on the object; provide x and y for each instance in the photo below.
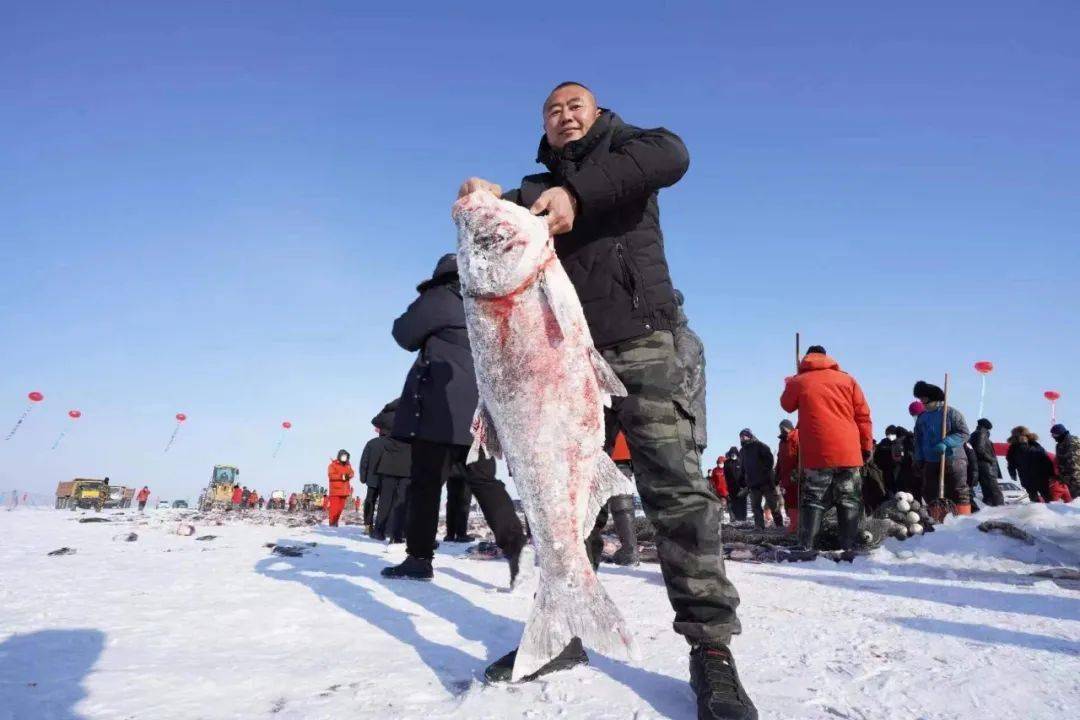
(826, 487)
(677, 499)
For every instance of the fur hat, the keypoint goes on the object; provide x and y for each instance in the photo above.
(926, 390)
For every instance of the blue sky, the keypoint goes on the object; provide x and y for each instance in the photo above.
(220, 208)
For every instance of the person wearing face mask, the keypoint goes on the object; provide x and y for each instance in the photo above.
(600, 197)
(756, 462)
(339, 473)
(737, 492)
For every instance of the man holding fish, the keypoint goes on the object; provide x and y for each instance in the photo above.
(599, 200)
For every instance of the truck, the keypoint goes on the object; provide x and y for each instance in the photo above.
(312, 497)
(218, 494)
(118, 496)
(81, 493)
(276, 501)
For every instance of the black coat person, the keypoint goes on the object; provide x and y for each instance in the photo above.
(988, 472)
(756, 473)
(435, 417)
(737, 492)
(1028, 461)
(385, 468)
(440, 395)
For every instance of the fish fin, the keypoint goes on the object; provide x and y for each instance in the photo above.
(608, 481)
(610, 384)
(484, 437)
(562, 320)
(561, 612)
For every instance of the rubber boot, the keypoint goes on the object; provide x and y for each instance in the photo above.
(847, 518)
(622, 513)
(809, 526)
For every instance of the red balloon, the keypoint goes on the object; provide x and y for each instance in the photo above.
(286, 424)
(36, 396)
(1052, 395)
(181, 417)
(74, 414)
(984, 367)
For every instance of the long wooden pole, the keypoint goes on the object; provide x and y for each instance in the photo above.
(798, 478)
(944, 434)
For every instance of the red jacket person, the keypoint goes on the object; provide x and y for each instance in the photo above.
(835, 439)
(339, 473)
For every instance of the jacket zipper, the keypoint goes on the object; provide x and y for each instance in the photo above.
(628, 274)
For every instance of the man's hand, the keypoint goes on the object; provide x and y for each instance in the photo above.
(474, 183)
(561, 208)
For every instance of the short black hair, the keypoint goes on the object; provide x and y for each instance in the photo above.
(816, 350)
(570, 83)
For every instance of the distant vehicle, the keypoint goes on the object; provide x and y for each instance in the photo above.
(1011, 490)
(218, 494)
(119, 496)
(312, 497)
(163, 505)
(81, 493)
(179, 504)
(276, 501)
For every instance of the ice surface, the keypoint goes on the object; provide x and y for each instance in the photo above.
(168, 627)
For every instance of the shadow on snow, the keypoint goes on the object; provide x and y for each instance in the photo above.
(331, 579)
(42, 673)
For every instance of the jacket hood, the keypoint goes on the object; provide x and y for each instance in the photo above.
(817, 361)
(445, 273)
(385, 419)
(551, 158)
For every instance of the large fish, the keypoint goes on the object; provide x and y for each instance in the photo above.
(543, 387)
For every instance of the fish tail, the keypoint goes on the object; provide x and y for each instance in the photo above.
(562, 612)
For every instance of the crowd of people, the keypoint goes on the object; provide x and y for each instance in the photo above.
(831, 459)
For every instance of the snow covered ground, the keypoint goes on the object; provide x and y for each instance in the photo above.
(947, 626)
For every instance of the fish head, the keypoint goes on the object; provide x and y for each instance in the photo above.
(501, 246)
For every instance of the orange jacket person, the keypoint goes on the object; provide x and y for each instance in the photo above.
(835, 439)
(339, 473)
(142, 497)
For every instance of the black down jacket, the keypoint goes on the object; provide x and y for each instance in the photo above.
(614, 255)
(440, 396)
(390, 456)
(756, 461)
(985, 455)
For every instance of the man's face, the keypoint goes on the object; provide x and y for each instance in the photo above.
(569, 113)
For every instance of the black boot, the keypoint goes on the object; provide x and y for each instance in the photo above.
(622, 513)
(715, 681)
(847, 519)
(809, 526)
(412, 569)
(502, 669)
